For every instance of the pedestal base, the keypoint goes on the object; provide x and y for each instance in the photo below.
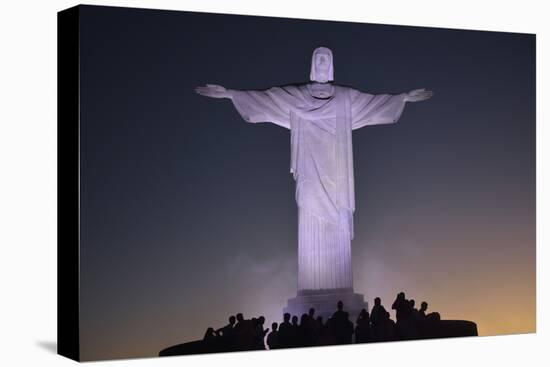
(324, 302)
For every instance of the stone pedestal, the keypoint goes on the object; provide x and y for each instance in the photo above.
(324, 302)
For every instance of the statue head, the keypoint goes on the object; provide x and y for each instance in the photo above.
(322, 67)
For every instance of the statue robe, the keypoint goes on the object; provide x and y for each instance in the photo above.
(322, 166)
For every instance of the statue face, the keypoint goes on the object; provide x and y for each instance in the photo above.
(322, 62)
(322, 69)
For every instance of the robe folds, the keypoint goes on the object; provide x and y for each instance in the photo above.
(322, 166)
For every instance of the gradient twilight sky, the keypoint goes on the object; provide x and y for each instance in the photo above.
(188, 212)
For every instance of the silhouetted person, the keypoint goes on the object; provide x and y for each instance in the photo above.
(339, 314)
(423, 309)
(285, 332)
(210, 334)
(244, 333)
(294, 331)
(312, 322)
(273, 337)
(340, 327)
(226, 335)
(249, 339)
(400, 305)
(343, 329)
(403, 314)
(406, 322)
(378, 313)
(362, 330)
(239, 325)
(238, 332)
(422, 326)
(260, 333)
(305, 334)
(325, 336)
(315, 326)
(228, 330)
(209, 340)
(320, 328)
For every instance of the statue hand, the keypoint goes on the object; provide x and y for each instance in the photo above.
(214, 91)
(418, 95)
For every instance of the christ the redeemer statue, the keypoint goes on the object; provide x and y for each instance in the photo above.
(321, 116)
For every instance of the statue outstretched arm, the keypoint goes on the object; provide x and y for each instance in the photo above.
(270, 105)
(213, 91)
(368, 109)
(418, 95)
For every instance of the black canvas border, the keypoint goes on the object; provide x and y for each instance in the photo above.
(68, 183)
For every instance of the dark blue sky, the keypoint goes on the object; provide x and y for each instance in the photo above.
(188, 212)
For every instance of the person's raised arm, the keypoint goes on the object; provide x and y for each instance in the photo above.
(270, 105)
(369, 109)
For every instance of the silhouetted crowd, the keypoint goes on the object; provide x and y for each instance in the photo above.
(312, 330)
